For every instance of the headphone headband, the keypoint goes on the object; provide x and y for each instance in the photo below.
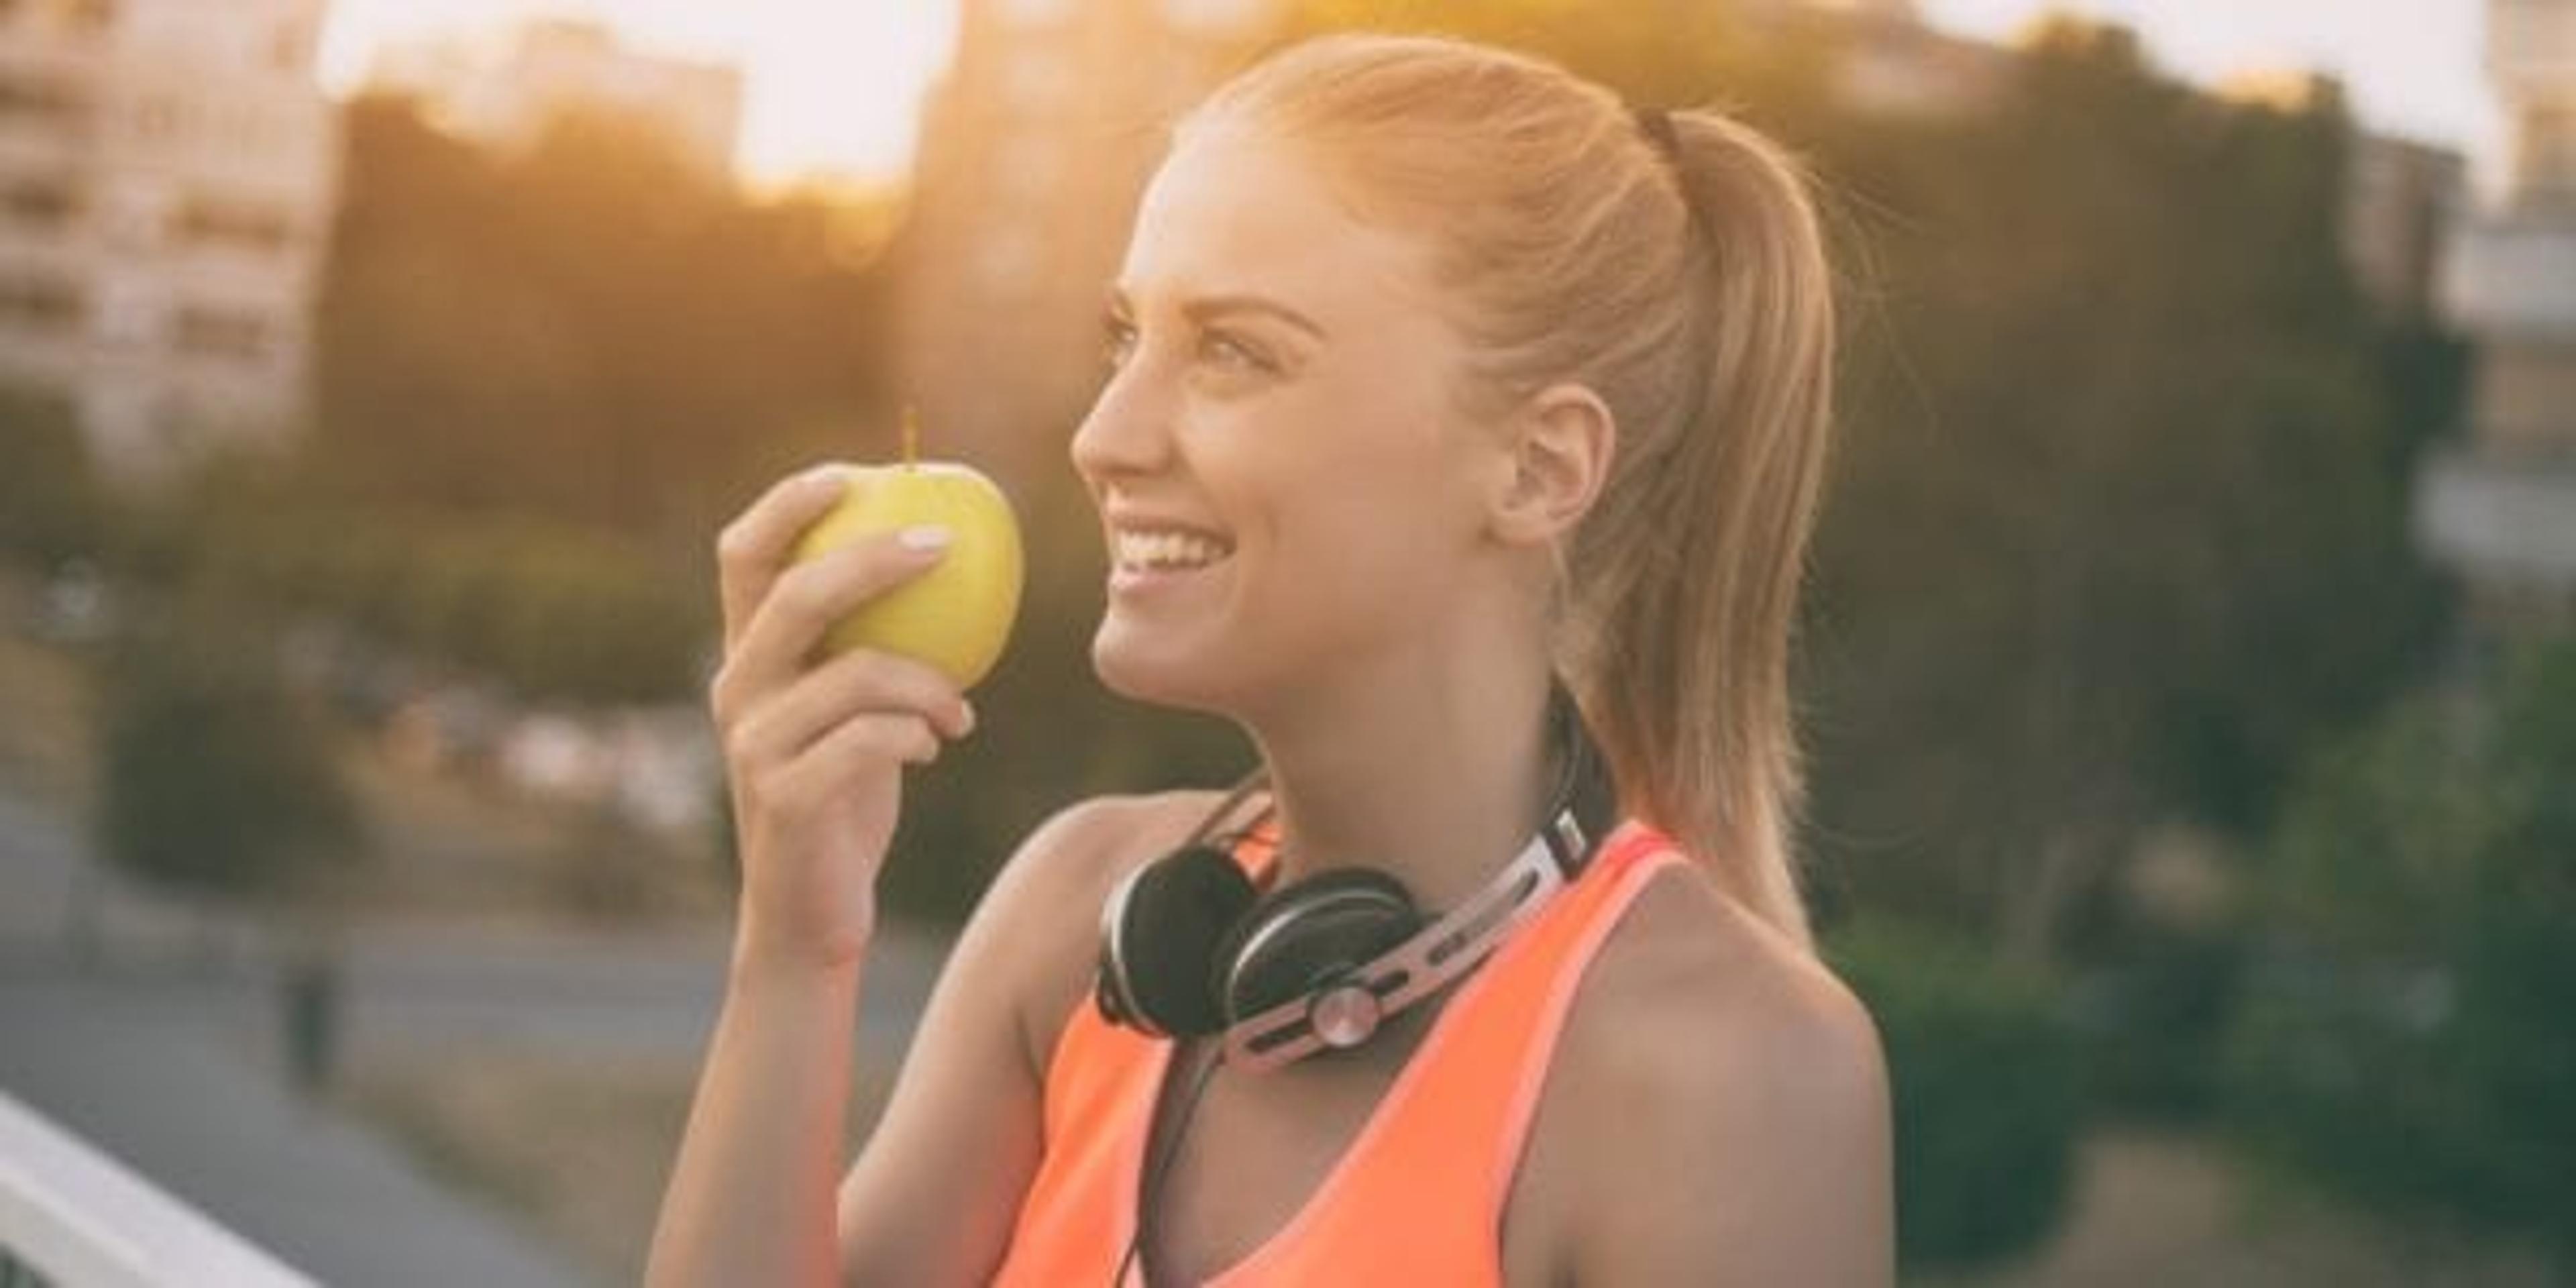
(1347, 1011)
(1189, 946)
(1209, 917)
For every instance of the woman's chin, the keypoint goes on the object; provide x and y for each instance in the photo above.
(1145, 669)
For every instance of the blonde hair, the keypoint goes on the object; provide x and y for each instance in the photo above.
(1687, 286)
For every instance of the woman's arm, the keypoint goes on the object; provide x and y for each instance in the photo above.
(750, 1196)
(936, 1188)
(935, 1192)
(1774, 1167)
(814, 757)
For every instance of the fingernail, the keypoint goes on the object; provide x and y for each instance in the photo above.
(967, 725)
(927, 536)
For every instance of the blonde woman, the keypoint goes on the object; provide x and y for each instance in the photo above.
(1461, 442)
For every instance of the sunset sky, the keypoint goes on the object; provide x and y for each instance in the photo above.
(832, 85)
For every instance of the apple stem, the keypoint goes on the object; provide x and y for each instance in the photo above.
(911, 437)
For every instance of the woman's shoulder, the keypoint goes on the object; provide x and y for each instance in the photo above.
(1720, 983)
(1712, 1075)
(1045, 903)
(1094, 841)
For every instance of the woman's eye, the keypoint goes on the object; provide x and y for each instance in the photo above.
(1224, 350)
(1117, 340)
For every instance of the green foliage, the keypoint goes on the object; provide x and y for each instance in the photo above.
(52, 506)
(2371, 848)
(591, 331)
(2120, 524)
(2411, 1041)
(553, 609)
(1986, 1090)
(215, 779)
(2154, 1011)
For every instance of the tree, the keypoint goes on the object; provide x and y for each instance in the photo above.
(2411, 1039)
(1987, 1099)
(2120, 529)
(592, 330)
(52, 506)
(215, 780)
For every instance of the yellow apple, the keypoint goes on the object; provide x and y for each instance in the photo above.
(957, 615)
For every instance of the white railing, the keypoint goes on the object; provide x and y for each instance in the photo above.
(2514, 279)
(75, 1218)
(2498, 518)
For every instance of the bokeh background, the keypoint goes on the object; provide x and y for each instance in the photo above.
(2189, 670)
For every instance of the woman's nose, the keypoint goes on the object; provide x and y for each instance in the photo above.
(1127, 430)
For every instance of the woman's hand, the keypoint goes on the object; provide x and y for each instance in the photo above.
(814, 753)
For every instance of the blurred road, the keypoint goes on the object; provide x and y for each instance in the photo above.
(162, 1079)
(157, 1034)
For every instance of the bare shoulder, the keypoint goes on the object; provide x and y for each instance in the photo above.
(1088, 845)
(1090, 841)
(1048, 896)
(1729, 1100)
(1692, 982)
(932, 1196)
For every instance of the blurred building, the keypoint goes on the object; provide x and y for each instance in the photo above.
(168, 177)
(1033, 151)
(2500, 505)
(506, 93)
(2400, 195)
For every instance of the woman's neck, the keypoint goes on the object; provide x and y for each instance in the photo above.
(1434, 774)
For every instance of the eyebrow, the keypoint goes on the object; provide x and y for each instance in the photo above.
(1204, 307)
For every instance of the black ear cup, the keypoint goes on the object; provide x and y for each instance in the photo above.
(1154, 959)
(1190, 948)
(1303, 934)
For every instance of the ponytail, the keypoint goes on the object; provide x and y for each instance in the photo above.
(1674, 264)
(1693, 562)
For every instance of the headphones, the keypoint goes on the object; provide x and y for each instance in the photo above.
(1189, 947)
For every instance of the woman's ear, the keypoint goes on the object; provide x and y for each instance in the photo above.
(1560, 447)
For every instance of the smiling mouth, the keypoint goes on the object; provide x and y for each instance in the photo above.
(1170, 550)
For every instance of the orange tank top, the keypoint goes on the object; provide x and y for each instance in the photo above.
(1381, 1215)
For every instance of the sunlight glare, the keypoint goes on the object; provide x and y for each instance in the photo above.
(831, 87)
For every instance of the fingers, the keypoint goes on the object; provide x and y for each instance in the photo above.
(802, 603)
(826, 770)
(753, 549)
(853, 686)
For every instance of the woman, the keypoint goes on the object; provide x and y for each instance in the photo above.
(1439, 380)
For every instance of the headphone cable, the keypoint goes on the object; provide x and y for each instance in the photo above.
(1155, 1169)
(1566, 723)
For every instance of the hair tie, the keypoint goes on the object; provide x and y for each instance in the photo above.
(1657, 125)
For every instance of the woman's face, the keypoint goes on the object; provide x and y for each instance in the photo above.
(1283, 480)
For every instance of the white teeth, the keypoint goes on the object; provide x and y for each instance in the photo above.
(1167, 549)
